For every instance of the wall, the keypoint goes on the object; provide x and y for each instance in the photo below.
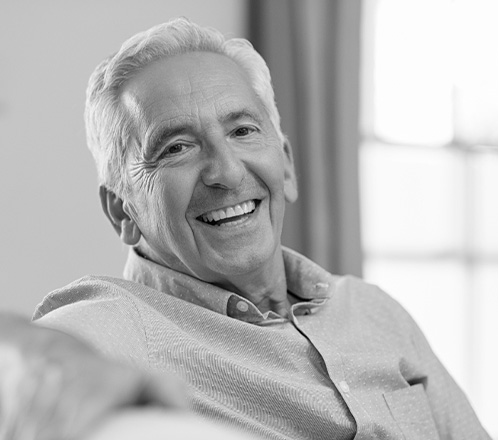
(52, 230)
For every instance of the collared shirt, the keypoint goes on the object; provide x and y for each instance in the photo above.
(349, 362)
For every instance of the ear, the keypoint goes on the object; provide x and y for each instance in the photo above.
(290, 181)
(115, 210)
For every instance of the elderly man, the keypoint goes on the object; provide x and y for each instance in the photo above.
(195, 173)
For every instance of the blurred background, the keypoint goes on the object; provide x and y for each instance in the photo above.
(390, 106)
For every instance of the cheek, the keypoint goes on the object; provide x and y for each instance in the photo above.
(170, 199)
(270, 169)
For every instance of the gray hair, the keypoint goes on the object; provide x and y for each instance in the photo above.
(109, 127)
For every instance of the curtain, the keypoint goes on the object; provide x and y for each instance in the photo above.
(313, 50)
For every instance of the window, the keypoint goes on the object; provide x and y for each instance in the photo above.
(429, 177)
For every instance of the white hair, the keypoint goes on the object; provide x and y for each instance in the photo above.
(109, 127)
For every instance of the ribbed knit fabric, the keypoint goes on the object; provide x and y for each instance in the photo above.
(349, 363)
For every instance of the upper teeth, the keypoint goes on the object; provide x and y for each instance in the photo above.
(231, 211)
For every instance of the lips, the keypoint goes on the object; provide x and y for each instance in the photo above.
(230, 213)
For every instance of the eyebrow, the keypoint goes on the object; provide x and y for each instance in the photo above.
(241, 114)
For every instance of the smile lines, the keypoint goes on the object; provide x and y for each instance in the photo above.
(228, 214)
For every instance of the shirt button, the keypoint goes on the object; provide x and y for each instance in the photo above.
(344, 386)
(242, 306)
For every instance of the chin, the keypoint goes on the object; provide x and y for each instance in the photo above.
(240, 262)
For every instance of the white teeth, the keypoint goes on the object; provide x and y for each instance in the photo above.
(249, 206)
(232, 211)
(238, 210)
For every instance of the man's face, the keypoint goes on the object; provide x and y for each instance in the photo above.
(208, 189)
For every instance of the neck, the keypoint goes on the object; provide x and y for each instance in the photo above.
(265, 287)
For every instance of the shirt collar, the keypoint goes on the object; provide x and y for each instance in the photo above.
(305, 280)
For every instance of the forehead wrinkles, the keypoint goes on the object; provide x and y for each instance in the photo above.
(166, 93)
(201, 108)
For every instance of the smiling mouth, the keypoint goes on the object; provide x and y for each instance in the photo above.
(230, 214)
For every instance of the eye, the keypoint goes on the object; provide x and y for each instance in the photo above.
(175, 149)
(244, 131)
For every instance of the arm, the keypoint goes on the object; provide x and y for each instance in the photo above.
(452, 412)
(53, 386)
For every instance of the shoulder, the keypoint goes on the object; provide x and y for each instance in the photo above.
(369, 303)
(360, 291)
(102, 311)
(87, 289)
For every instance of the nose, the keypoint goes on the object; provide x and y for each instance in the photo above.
(222, 168)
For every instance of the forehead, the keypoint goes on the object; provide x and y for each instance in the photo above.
(193, 86)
